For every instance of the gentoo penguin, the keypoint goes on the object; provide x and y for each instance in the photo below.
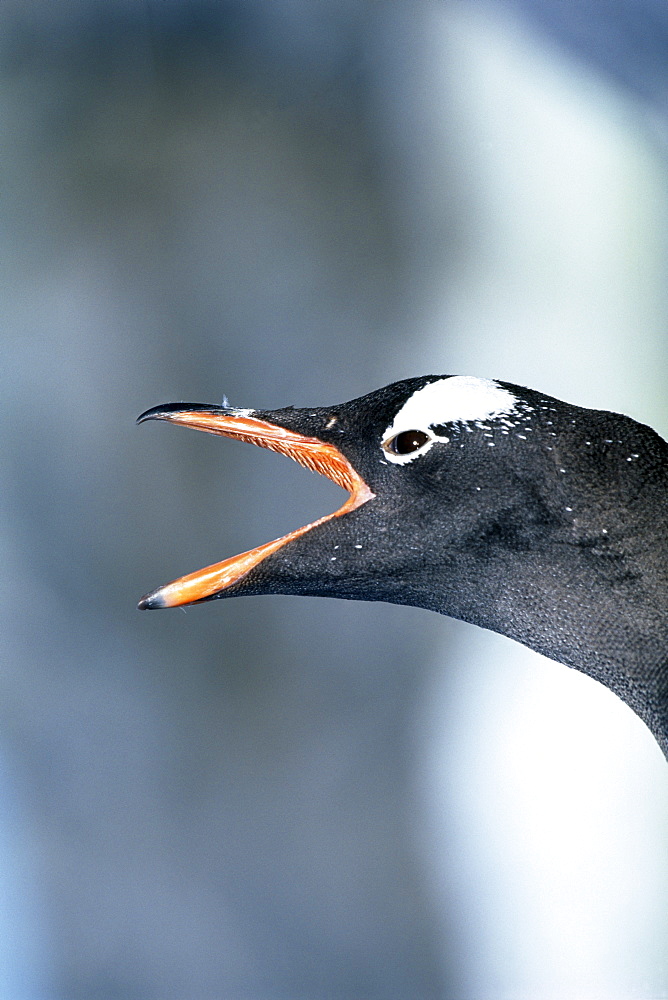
(479, 499)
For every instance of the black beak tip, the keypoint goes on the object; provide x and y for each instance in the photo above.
(155, 413)
(151, 601)
(164, 410)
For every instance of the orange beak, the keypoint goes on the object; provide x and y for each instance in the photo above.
(308, 451)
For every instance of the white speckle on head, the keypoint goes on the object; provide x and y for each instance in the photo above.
(459, 399)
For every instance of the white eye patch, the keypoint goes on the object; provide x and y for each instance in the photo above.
(458, 399)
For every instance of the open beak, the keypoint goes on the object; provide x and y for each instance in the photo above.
(308, 451)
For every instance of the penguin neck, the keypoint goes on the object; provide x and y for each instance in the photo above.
(609, 621)
(624, 647)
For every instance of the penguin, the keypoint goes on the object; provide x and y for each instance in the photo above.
(479, 499)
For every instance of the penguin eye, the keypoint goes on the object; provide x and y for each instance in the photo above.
(406, 442)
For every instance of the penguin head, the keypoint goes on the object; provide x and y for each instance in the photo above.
(433, 466)
(462, 491)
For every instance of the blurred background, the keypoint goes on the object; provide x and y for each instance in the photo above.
(298, 201)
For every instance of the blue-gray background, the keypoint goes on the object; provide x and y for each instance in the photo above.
(297, 202)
